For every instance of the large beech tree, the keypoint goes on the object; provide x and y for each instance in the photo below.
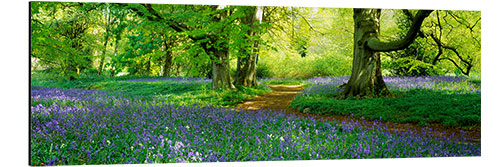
(214, 42)
(59, 37)
(218, 48)
(366, 77)
(246, 68)
(70, 40)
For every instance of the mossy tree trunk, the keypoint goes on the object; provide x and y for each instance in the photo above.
(108, 23)
(167, 62)
(221, 78)
(246, 72)
(246, 68)
(366, 78)
(103, 56)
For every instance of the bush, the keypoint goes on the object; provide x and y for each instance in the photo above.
(303, 67)
(407, 66)
(263, 71)
(90, 72)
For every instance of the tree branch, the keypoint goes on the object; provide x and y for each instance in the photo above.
(171, 23)
(441, 46)
(410, 18)
(375, 44)
(153, 15)
(468, 62)
(461, 70)
(309, 24)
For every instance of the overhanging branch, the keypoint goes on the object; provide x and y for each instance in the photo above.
(153, 15)
(442, 46)
(375, 44)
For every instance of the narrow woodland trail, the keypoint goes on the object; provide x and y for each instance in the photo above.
(282, 95)
(279, 99)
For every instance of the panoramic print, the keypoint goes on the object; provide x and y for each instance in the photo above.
(118, 83)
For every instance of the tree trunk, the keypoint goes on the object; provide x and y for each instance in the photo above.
(246, 68)
(148, 66)
(103, 57)
(221, 78)
(115, 53)
(167, 62)
(246, 71)
(106, 38)
(366, 78)
(112, 72)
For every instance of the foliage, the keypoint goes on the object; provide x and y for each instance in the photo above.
(263, 71)
(295, 42)
(325, 33)
(433, 52)
(59, 38)
(274, 81)
(311, 66)
(408, 66)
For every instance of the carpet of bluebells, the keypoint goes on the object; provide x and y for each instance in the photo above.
(324, 86)
(177, 79)
(74, 126)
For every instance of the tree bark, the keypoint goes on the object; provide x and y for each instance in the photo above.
(246, 71)
(167, 62)
(246, 68)
(106, 38)
(148, 66)
(366, 77)
(115, 52)
(221, 78)
(103, 57)
(375, 44)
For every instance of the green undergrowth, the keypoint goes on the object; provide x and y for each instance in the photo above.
(84, 82)
(285, 82)
(205, 96)
(174, 92)
(416, 106)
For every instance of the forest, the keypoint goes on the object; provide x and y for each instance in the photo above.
(117, 83)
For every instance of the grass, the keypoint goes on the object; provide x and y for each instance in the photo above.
(172, 90)
(449, 110)
(282, 81)
(452, 104)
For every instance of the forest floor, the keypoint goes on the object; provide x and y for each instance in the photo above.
(282, 95)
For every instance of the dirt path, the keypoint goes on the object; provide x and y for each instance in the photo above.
(279, 99)
(282, 95)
